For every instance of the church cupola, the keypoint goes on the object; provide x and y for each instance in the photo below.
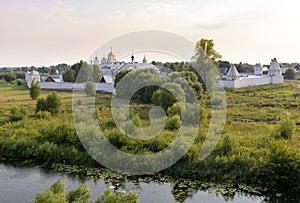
(132, 58)
(111, 54)
(144, 59)
(258, 69)
(96, 60)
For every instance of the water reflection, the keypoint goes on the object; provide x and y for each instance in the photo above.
(19, 184)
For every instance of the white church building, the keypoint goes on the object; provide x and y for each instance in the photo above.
(32, 76)
(111, 67)
(234, 79)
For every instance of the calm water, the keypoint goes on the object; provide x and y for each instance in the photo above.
(22, 184)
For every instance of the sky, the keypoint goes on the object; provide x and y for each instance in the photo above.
(46, 32)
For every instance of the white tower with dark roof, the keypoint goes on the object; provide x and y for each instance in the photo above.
(275, 69)
(258, 69)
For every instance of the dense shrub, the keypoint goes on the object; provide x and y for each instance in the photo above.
(17, 113)
(226, 146)
(90, 89)
(9, 77)
(173, 123)
(41, 105)
(56, 193)
(20, 82)
(286, 129)
(43, 115)
(35, 90)
(110, 196)
(52, 104)
(290, 74)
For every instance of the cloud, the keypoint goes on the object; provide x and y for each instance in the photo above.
(59, 3)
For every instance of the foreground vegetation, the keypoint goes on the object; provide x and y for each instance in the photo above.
(259, 147)
(56, 194)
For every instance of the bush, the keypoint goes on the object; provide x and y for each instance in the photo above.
(52, 104)
(173, 123)
(35, 90)
(41, 105)
(282, 169)
(110, 196)
(56, 193)
(17, 113)
(136, 120)
(226, 146)
(286, 129)
(290, 74)
(20, 82)
(43, 114)
(90, 89)
(9, 77)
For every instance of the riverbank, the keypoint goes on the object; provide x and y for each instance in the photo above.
(182, 189)
(249, 153)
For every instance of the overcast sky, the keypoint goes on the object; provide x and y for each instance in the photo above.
(41, 32)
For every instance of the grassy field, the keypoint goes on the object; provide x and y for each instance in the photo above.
(252, 113)
(247, 153)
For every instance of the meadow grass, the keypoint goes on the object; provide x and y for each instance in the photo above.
(253, 117)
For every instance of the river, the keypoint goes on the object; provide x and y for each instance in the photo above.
(21, 184)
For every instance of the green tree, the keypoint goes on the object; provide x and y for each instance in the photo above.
(225, 64)
(205, 64)
(114, 197)
(41, 105)
(164, 98)
(76, 67)
(90, 89)
(282, 169)
(53, 103)
(240, 68)
(290, 74)
(69, 75)
(206, 46)
(35, 90)
(53, 70)
(55, 194)
(97, 73)
(120, 75)
(85, 73)
(80, 195)
(10, 76)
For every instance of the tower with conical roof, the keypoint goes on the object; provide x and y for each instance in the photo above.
(232, 74)
(275, 69)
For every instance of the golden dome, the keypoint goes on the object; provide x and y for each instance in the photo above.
(111, 54)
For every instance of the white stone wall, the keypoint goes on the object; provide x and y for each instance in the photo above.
(104, 87)
(251, 81)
